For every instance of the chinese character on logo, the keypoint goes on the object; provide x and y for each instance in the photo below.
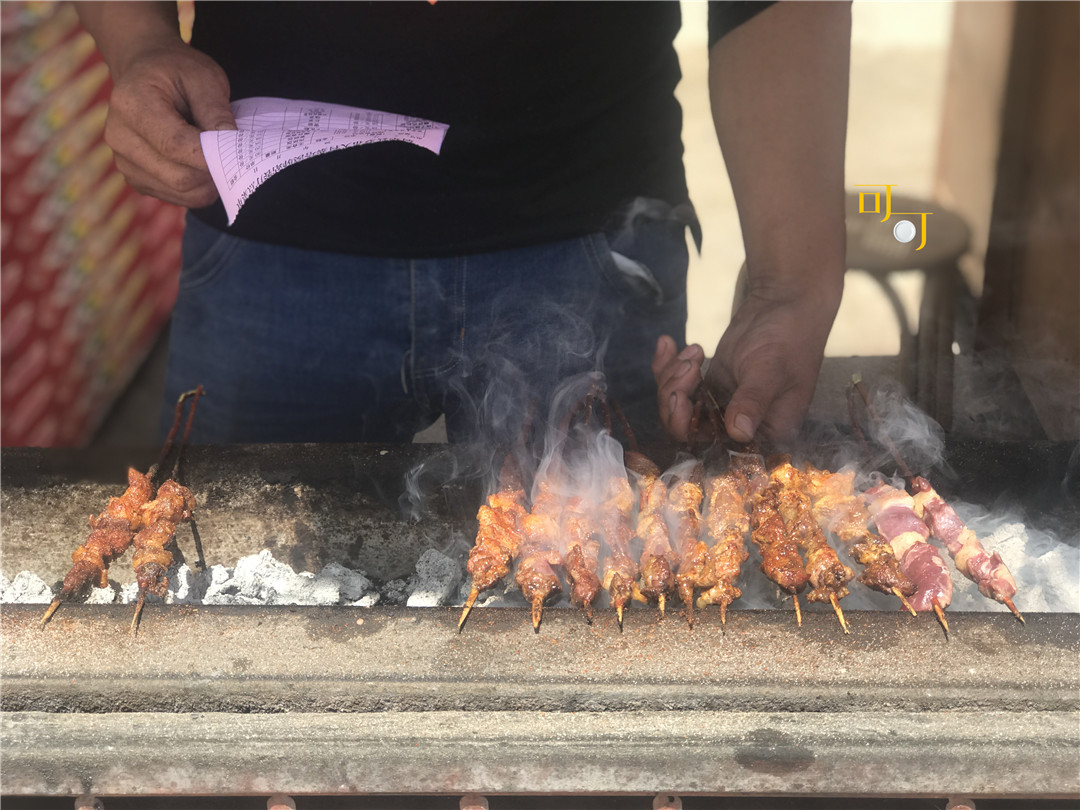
(904, 231)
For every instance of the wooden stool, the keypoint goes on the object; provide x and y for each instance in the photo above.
(926, 356)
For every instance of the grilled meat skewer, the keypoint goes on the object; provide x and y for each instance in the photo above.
(780, 558)
(111, 534)
(893, 512)
(498, 536)
(540, 553)
(728, 523)
(843, 512)
(581, 530)
(986, 570)
(683, 513)
(827, 574)
(658, 559)
(619, 570)
(173, 505)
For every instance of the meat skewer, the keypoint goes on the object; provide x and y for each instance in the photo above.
(173, 505)
(893, 512)
(841, 511)
(658, 559)
(111, 534)
(986, 570)
(498, 537)
(827, 574)
(619, 570)
(728, 523)
(540, 553)
(780, 558)
(113, 530)
(582, 532)
(683, 512)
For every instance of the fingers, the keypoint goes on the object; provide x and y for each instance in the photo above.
(677, 375)
(156, 112)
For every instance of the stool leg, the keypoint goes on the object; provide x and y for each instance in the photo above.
(937, 327)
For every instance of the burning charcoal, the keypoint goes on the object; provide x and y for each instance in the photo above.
(352, 585)
(29, 589)
(435, 580)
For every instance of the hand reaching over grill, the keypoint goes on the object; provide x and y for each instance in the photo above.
(765, 368)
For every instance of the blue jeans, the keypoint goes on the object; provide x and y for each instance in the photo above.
(302, 346)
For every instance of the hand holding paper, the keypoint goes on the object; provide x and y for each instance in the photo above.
(273, 133)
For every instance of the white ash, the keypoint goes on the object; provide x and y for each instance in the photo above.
(27, 588)
(352, 585)
(435, 580)
(102, 596)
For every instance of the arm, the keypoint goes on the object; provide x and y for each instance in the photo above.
(778, 86)
(164, 93)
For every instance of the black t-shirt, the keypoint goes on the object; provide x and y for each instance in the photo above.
(558, 114)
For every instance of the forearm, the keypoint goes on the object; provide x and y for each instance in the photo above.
(779, 86)
(123, 29)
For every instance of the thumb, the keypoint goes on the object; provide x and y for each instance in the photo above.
(212, 113)
(748, 406)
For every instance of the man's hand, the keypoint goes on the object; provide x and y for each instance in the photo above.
(764, 370)
(164, 94)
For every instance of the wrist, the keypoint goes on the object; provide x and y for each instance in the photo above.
(123, 31)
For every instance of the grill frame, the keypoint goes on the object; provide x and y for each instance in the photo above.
(219, 701)
(235, 701)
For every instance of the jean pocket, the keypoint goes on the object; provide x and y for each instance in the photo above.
(645, 258)
(206, 253)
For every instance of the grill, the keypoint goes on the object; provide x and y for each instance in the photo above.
(384, 700)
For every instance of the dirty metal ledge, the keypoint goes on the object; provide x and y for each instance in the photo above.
(392, 700)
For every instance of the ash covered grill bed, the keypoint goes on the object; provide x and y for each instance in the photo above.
(230, 700)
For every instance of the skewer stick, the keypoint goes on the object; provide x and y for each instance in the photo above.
(619, 612)
(537, 614)
(798, 609)
(661, 601)
(1009, 604)
(138, 612)
(839, 612)
(902, 598)
(473, 594)
(52, 609)
(723, 616)
(941, 616)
